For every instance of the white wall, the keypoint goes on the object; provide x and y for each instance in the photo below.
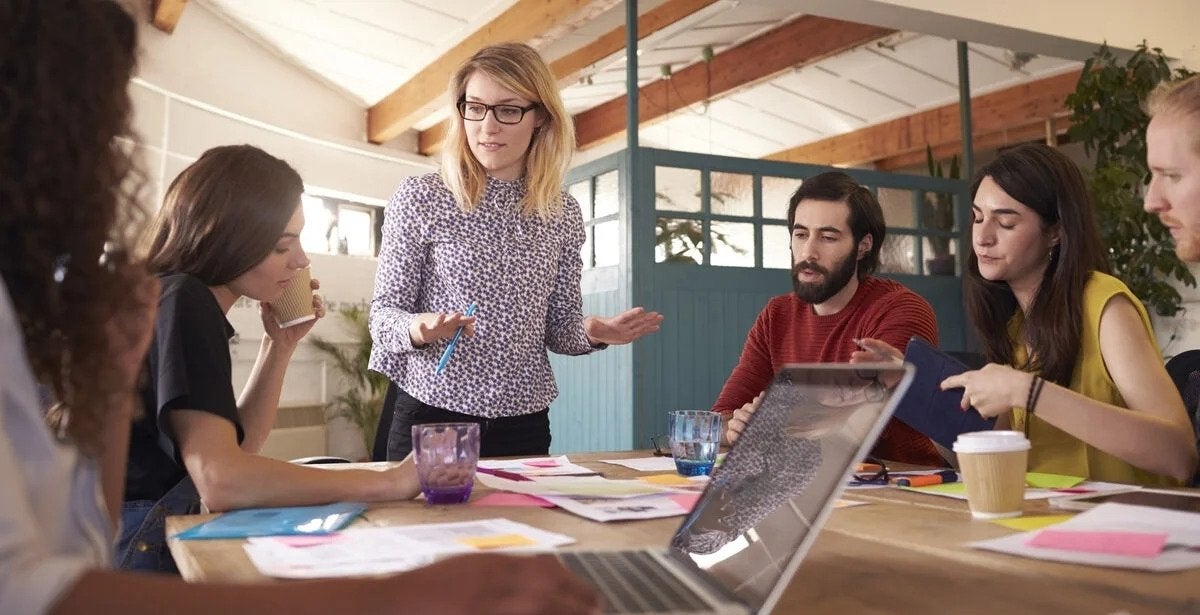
(208, 85)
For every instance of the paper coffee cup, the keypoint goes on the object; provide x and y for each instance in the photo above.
(295, 305)
(993, 469)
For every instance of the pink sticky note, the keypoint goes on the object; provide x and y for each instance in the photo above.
(1129, 544)
(542, 463)
(685, 500)
(307, 541)
(501, 498)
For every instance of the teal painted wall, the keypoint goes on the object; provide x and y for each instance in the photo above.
(618, 398)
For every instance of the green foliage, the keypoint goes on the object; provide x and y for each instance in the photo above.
(937, 211)
(683, 239)
(1108, 118)
(362, 401)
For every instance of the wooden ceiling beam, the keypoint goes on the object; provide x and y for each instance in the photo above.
(167, 13)
(1014, 109)
(801, 41)
(533, 21)
(567, 68)
(1014, 135)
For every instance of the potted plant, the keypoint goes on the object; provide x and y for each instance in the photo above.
(937, 213)
(1108, 118)
(363, 398)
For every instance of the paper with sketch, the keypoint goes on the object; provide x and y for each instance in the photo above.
(623, 509)
(645, 464)
(1110, 527)
(380, 550)
(583, 486)
(537, 466)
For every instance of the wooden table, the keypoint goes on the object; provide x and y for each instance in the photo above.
(904, 553)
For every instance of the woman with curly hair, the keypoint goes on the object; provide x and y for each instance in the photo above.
(76, 317)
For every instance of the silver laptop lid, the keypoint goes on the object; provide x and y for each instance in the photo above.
(766, 502)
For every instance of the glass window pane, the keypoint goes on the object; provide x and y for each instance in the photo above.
(582, 191)
(937, 211)
(677, 189)
(732, 244)
(776, 191)
(897, 205)
(608, 243)
(317, 222)
(585, 253)
(678, 241)
(608, 194)
(897, 255)
(732, 194)
(777, 247)
(941, 256)
(354, 231)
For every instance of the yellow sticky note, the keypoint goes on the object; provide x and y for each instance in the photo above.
(1041, 480)
(1026, 524)
(667, 479)
(500, 541)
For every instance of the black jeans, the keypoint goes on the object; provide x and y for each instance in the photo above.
(527, 434)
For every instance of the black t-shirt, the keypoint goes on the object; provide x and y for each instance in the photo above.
(189, 368)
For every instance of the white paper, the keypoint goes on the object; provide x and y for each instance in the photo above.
(577, 486)
(563, 466)
(645, 464)
(613, 509)
(1181, 552)
(380, 550)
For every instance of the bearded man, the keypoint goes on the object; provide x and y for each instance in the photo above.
(837, 232)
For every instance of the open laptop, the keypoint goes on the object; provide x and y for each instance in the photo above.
(738, 549)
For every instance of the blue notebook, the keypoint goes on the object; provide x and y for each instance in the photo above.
(930, 410)
(290, 521)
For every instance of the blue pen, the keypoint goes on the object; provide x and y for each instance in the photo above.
(453, 342)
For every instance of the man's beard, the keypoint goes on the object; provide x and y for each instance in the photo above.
(816, 293)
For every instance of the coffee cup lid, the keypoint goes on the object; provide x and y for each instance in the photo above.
(999, 441)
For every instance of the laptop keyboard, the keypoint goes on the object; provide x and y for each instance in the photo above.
(634, 582)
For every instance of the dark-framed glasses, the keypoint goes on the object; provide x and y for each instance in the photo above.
(871, 471)
(505, 114)
(662, 446)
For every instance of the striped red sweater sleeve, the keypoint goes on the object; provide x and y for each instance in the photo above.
(788, 331)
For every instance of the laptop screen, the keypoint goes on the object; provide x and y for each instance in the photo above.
(765, 503)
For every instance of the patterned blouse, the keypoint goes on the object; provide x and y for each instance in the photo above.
(521, 272)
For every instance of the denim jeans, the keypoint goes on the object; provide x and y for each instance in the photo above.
(142, 544)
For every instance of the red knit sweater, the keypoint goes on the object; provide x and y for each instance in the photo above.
(788, 331)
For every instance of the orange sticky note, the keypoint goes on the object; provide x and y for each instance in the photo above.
(500, 541)
(667, 479)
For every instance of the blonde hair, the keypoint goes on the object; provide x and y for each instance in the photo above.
(1180, 98)
(519, 68)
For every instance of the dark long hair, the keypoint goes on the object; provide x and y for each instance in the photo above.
(68, 192)
(1046, 181)
(223, 214)
(866, 216)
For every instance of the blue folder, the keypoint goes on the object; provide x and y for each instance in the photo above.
(290, 521)
(926, 408)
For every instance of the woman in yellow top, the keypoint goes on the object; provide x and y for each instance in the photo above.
(1072, 357)
(1044, 307)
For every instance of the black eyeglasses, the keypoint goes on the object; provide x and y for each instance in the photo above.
(505, 114)
(657, 442)
(871, 472)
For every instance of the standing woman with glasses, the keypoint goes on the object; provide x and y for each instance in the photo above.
(493, 231)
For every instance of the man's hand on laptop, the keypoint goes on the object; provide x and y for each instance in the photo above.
(740, 417)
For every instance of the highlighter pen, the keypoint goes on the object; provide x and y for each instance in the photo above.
(922, 480)
(441, 366)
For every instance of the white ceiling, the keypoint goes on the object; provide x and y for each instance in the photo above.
(368, 48)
